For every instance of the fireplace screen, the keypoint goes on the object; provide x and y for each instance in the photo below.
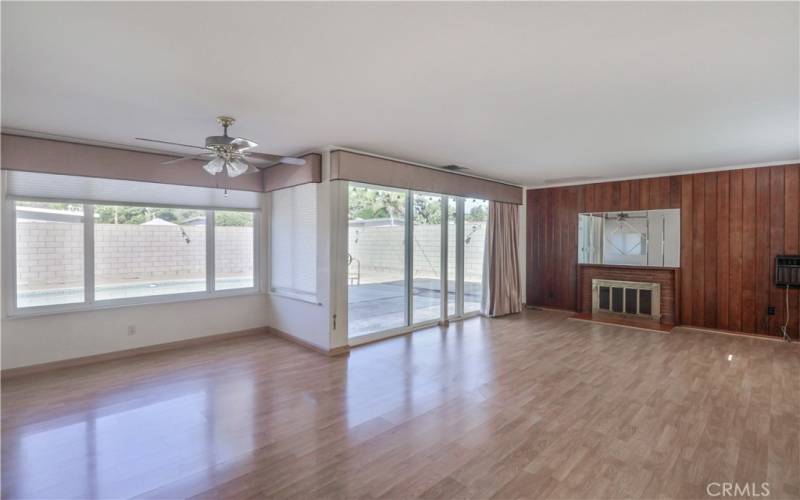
(626, 297)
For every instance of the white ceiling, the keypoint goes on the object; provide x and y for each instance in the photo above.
(525, 92)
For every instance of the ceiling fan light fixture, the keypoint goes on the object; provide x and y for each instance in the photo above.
(230, 154)
(215, 166)
(236, 167)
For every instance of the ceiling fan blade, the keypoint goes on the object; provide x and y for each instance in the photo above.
(206, 156)
(260, 161)
(293, 161)
(276, 158)
(170, 143)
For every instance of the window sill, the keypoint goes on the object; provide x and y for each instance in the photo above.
(36, 311)
(309, 299)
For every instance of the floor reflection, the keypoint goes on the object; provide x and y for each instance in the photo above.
(129, 428)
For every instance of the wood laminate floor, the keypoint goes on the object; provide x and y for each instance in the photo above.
(531, 406)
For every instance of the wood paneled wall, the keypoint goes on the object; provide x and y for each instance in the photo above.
(733, 224)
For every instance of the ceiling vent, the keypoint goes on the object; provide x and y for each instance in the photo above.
(454, 168)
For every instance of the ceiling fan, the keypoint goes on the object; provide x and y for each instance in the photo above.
(231, 154)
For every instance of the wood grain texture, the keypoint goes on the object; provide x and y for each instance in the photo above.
(529, 406)
(733, 224)
(710, 251)
(698, 276)
(791, 235)
(723, 264)
(762, 274)
(735, 252)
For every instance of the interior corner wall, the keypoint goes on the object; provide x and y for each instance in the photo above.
(733, 224)
(306, 321)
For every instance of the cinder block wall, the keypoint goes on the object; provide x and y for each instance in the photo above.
(379, 250)
(51, 253)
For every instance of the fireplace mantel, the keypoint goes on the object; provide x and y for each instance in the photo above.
(667, 277)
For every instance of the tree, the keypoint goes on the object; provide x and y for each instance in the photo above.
(233, 219)
(478, 213)
(427, 210)
(113, 214)
(366, 203)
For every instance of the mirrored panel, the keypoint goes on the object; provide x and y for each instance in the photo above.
(630, 238)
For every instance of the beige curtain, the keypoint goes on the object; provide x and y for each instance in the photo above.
(501, 293)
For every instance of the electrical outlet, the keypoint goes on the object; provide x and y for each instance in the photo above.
(770, 310)
(131, 329)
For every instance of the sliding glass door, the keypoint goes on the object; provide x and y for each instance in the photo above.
(426, 291)
(376, 259)
(413, 258)
(476, 215)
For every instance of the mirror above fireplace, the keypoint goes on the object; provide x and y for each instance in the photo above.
(645, 238)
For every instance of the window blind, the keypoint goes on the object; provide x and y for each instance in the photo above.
(293, 236)
(37, 185)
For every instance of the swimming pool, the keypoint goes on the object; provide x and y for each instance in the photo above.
(71, 295)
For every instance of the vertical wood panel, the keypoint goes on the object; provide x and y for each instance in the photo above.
(732, 225)
(588, 198)
(644, 194)
(570, 248)
(531, 245)
(687, 210)
(675, 191)
(776, 194)
(749, 250)
(552, 251)
(614, 194)
(625, 195)
(607, 204)
(791, 224)
(735, 252)
(710, 255)
(635, 190)
(662, 196)
(698, 249)
(723, 249)
(763, 287)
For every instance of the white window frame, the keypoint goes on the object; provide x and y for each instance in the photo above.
(89, 303)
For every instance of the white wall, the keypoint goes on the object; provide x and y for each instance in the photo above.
(29, 341)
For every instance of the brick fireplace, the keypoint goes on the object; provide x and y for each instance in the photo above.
(666, 278)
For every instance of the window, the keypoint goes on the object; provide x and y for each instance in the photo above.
(144, 251)
(293, 240)
(234, 250)
(72, 255)
(49, 253)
